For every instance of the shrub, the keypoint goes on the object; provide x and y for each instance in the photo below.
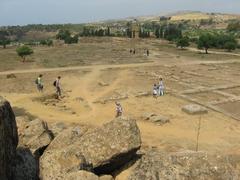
(24, 51)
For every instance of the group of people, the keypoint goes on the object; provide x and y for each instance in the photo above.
(158, 89)
(146, 52)
(132, 51)
(56, 84)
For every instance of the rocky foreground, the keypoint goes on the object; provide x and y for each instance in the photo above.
(33, 149)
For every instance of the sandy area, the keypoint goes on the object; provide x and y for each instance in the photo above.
(86, 88)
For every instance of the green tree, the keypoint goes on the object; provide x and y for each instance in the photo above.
(206, 41)
(183, 42)
(230, 45)
(108, 33)
(43, 42)
(4, 39)
(234, 26)
(67, 37)
(47, 42)
(172, 31)
(71, 39)
(24, 51)
(63, 34)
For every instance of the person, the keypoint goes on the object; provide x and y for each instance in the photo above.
(134, 51)
(39, 83)
(119, 109)
(58, 87)
(155, 92)
(161, 87)
(130, 51)
(148, 52)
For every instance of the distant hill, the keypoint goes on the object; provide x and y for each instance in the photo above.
(189, 20)
(190, 15)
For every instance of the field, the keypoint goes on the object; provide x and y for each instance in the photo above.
(99, 71)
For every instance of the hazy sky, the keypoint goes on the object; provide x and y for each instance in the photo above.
(20, 12)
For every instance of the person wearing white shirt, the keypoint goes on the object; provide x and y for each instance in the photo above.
(160, 87)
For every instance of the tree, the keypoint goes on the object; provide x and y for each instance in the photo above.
(4, 40)
(230, 45)
(63, 34)
(47, 42)
(183, 42)
(67, 37)
(108, 33)
(71, 40)
(170, 32)
(206, 41)
(24, 51)
(234, 26)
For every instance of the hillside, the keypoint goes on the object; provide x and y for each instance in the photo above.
(192, 15)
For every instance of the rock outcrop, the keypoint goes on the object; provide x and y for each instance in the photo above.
(156, 119)
(184, 165)
(8, 140)
(101, 150)
(58, 159)
(81, 175)
(109, 147)
(34, 135)
(194, 109)
(56, 164)
(26, 166)
(67, 137)
(106, 177)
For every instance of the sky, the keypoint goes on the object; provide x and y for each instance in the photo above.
(22, 12)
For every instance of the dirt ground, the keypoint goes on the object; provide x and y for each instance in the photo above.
(90, 92)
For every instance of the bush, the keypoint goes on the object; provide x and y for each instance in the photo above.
(67, 37)
(24, 51)
(230, 45)
(71, 40)
(183, 42)
(47, 42)
(238, 46)
(234, 26)
(63, 34)
(206, 41)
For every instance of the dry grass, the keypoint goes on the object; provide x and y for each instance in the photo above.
(90, 51)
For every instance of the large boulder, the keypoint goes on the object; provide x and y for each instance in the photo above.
(58, 160)
(26, 166)
(67, 137)
(56, 164)
(81, 175)
(57, 127)
(8, 140)
(101, 150)
(183, 165)
(35, 135)
(194, 109)
(159, 120)
(106, 177)
(109, 147)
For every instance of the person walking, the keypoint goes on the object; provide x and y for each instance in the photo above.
(119, 110)
(161, 87)
(134, 51)
(57, 84)
(39, 83)
(148, 52)
(155, 91)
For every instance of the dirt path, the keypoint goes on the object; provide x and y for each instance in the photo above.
(101, 67)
